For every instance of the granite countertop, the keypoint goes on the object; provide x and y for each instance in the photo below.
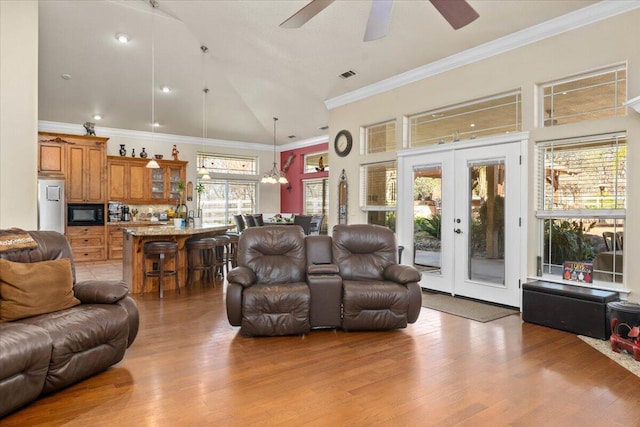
(175, 231)
(138, 223)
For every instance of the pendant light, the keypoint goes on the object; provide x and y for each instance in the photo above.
(274, 176)
(202, 170)
(152, 163)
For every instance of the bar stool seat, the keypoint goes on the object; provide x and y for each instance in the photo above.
(160, 250)
(233, 248)
(222, 254)
(200, 257)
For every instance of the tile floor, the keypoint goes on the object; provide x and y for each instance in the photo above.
(100, 271)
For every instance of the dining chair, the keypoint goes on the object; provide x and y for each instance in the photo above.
(258, 219)
(316, 224)
(303, 221)
(240, 225)
(612, 241)
(250, 220)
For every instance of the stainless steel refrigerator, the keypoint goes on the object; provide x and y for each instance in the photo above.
(51, 206)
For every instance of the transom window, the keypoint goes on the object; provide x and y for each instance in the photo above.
(585, 97)
(488, 116)
(380, 138)
(316, 162)
(582, 185)
(223, 164)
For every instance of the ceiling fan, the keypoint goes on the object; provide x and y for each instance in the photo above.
(458, 13)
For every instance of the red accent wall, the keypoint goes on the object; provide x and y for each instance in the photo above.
(291, 195)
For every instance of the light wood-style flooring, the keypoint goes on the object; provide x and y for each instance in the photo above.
(189, 367)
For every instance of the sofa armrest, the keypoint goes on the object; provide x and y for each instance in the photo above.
(322, 269)
(100, 291)
(242, 275)
(401, 273)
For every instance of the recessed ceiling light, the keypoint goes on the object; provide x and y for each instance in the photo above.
(97, 116)
(122, 38)
(156, 125)
(472, 125)
(165, 89)
(66, 76)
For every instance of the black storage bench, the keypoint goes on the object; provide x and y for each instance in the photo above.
(569, 308)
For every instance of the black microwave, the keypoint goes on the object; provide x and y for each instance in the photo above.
(85, 214)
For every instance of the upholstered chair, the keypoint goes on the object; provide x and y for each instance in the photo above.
(267, 293)
(378, 293)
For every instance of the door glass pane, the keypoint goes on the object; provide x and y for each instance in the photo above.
(427, 200)
(486, 217)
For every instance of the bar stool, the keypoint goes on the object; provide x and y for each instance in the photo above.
(200, 257)
(233, 248)
(160, 250)
(222, 254)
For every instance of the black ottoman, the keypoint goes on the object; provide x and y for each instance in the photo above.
(569, 308)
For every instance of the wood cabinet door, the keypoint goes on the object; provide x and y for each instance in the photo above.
(117, 173)
(76, 175)
(138, 183)
(51, 159)
(94, 184)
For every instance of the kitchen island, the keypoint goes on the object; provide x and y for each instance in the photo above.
(134, 239)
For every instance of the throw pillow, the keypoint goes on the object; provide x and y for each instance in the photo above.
(30, 289)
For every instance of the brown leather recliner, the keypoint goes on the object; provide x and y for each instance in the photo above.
(267, 293)
(44, 353)
(378, 293)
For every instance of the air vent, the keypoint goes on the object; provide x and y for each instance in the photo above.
(291, 136)
(347, 74)
(323, 127)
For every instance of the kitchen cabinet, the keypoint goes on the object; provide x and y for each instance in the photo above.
(51, 157)
(131, 182)
(80, 159)
(87, 243)
(115, 242)
(128, 180)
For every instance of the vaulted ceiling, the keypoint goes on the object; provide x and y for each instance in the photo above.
(254, 69)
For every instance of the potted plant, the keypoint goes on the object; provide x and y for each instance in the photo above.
(199, 191)
(181, 208)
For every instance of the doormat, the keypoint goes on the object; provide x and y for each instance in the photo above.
(464, 307)
(623, 359)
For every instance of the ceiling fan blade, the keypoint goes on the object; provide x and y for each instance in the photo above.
(458, 13)
(301, 17)
(379, 19)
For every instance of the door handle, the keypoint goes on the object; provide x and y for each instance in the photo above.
(458, 231)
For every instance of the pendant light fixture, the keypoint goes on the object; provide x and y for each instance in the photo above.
(205, 90)
(275, 175)
(152, 163)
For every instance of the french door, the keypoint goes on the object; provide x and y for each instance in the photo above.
(465, 220)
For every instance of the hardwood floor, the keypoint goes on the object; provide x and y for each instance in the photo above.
(189, 367)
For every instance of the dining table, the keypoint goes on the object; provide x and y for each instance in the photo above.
(606, 263)
(135, 238)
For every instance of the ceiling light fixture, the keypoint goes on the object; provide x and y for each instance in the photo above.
(122, 38)
(97, 117)
(275, 175)
(205, 90)
(165, 89)
(152, 163)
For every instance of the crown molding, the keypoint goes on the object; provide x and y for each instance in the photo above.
(588, 15)
(46, 126)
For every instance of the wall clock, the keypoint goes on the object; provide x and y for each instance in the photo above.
(343, 143)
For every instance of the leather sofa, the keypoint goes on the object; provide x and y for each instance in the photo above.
(47, 352)
(288, 283)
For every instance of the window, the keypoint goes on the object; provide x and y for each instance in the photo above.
(585, 97)
(316, 196)
(379, 190)
(316, 162)
(221, 164)
(221, 199)
(582, 205)
(380, 138)
(484, 117)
